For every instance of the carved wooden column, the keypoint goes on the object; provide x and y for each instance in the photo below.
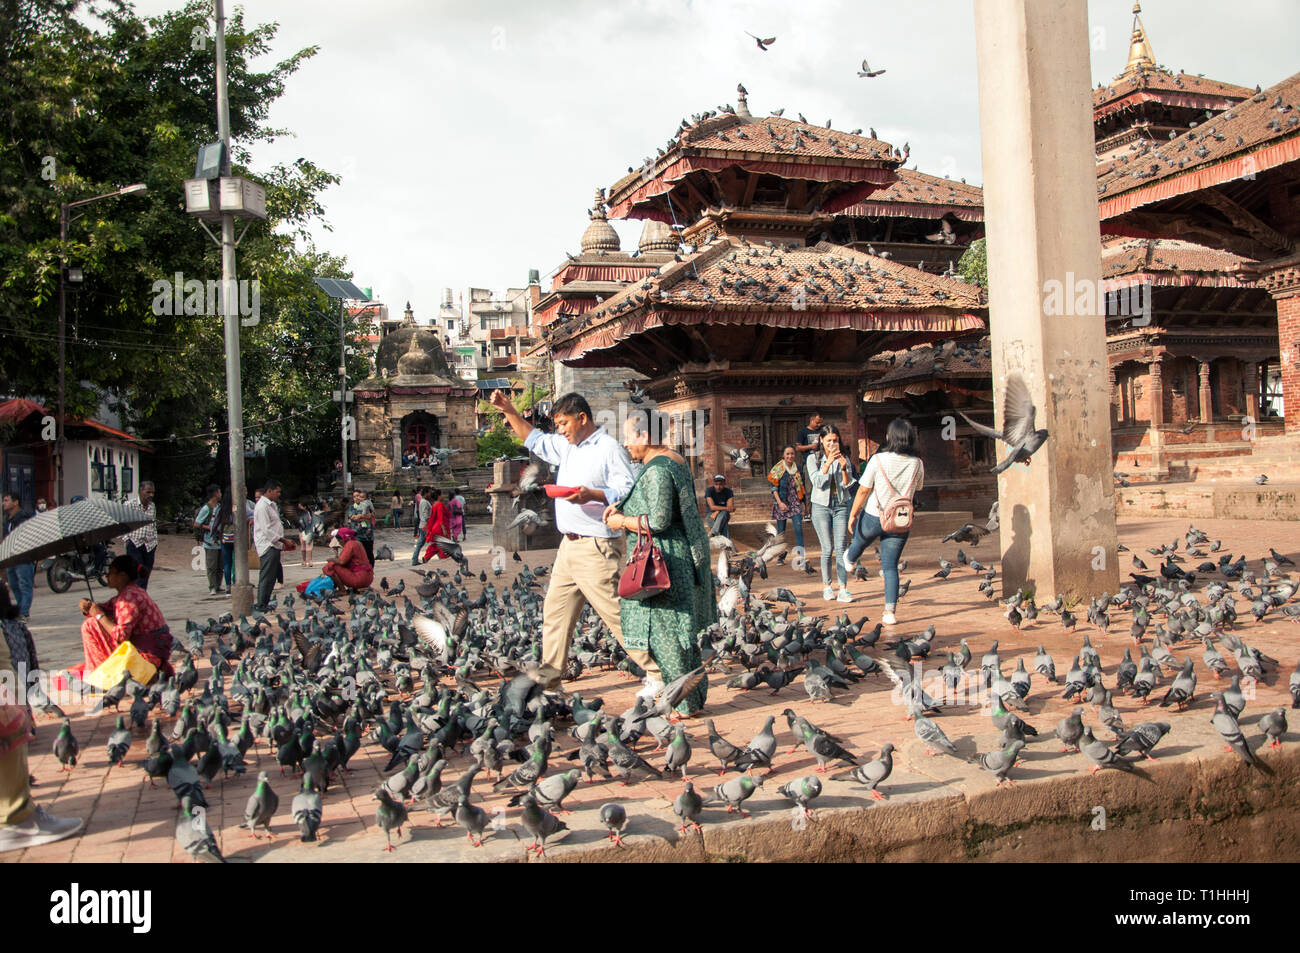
(1250, 382)
(1115, 401)
(1157, 399)
(1207, 400)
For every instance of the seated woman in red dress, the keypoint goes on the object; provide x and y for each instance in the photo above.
(130, 616)
(350, 569)
(439, 524)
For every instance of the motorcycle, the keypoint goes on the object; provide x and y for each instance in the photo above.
(62, 571)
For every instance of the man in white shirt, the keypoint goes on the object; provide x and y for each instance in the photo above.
(268, 540)
(590, 558)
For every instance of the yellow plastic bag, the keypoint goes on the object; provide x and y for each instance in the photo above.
(124, 659)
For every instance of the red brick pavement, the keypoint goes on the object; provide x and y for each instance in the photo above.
(127, 820)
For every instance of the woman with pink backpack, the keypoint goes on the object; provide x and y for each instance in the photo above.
(882, 508)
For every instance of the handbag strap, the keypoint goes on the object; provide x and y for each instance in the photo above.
(889, 483)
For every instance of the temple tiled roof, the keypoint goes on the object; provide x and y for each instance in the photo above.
(1255, 135)
(1162, 85)
(964, 366)
(1127, 256)
(734, 281)
(924, 196)
(775, 144)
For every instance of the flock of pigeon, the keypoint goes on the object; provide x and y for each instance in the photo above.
(445, 685)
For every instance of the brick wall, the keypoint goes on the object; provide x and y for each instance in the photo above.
(1288, 342)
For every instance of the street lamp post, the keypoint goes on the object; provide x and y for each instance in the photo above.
(65, 220)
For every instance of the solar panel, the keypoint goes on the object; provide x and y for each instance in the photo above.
(341, 288)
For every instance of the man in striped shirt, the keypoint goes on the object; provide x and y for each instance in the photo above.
(142, 544)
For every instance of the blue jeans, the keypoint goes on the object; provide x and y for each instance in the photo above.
(867, 530)
(720, 520)
(832, 526)
(228, 562)
(797, 518)
(22, 582)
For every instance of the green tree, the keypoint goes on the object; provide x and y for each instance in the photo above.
(92, 108)
(497, 441)
(974, 264)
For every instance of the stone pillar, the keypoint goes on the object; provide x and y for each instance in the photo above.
(1058, 514)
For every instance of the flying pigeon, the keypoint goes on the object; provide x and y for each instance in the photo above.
(1018, 414)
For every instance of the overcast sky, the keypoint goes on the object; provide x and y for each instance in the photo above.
(470, 136)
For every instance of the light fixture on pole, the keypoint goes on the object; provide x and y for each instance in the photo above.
(71, 276)
(214, 195)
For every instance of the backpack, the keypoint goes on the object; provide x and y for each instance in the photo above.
(896, 516)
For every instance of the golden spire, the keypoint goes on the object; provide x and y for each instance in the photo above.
(1139, 50)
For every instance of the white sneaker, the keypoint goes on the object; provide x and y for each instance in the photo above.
(888, 619)
(844, 596)
(40, 828)
(828, 593)
(650, 688)
(847, 563)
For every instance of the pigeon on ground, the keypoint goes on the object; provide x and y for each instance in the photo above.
(539, 822)
(803, 791)
(614, 817)
(1143, 738)
(119, 743)
(760, 749)
(1273, 724)
(306, 809)
(932, 735)
(733, 793)
(66, 746)
(1100, 754)
(1183, 689)
(194, 834)
(726, 753)
(687, 807)
(1226, 724)
(473, 819)
(1070, 729)
(261, 806)
(999, 763)
(390, 815)
(874, 772)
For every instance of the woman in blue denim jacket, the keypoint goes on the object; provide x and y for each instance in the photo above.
(833, 483)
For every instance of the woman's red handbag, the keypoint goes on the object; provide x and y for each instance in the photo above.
(646, 575)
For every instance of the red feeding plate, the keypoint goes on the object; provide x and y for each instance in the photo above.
(555, 492)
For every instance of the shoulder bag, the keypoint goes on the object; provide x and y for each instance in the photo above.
(646, 575)
(897, 516)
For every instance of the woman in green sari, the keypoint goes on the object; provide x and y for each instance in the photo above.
(667, 625)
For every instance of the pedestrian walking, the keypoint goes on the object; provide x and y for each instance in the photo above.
(210, 522)
(456, 509)
(397, 509)
(439, 524)
(22, 578)
(832, 484)
(268, 540)
(663, 498)
(893, 471)
(590, 557)
(142, 544)
(307, 529)
(788, 495)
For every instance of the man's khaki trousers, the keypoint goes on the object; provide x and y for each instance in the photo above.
(586, 571)
(16, 804)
